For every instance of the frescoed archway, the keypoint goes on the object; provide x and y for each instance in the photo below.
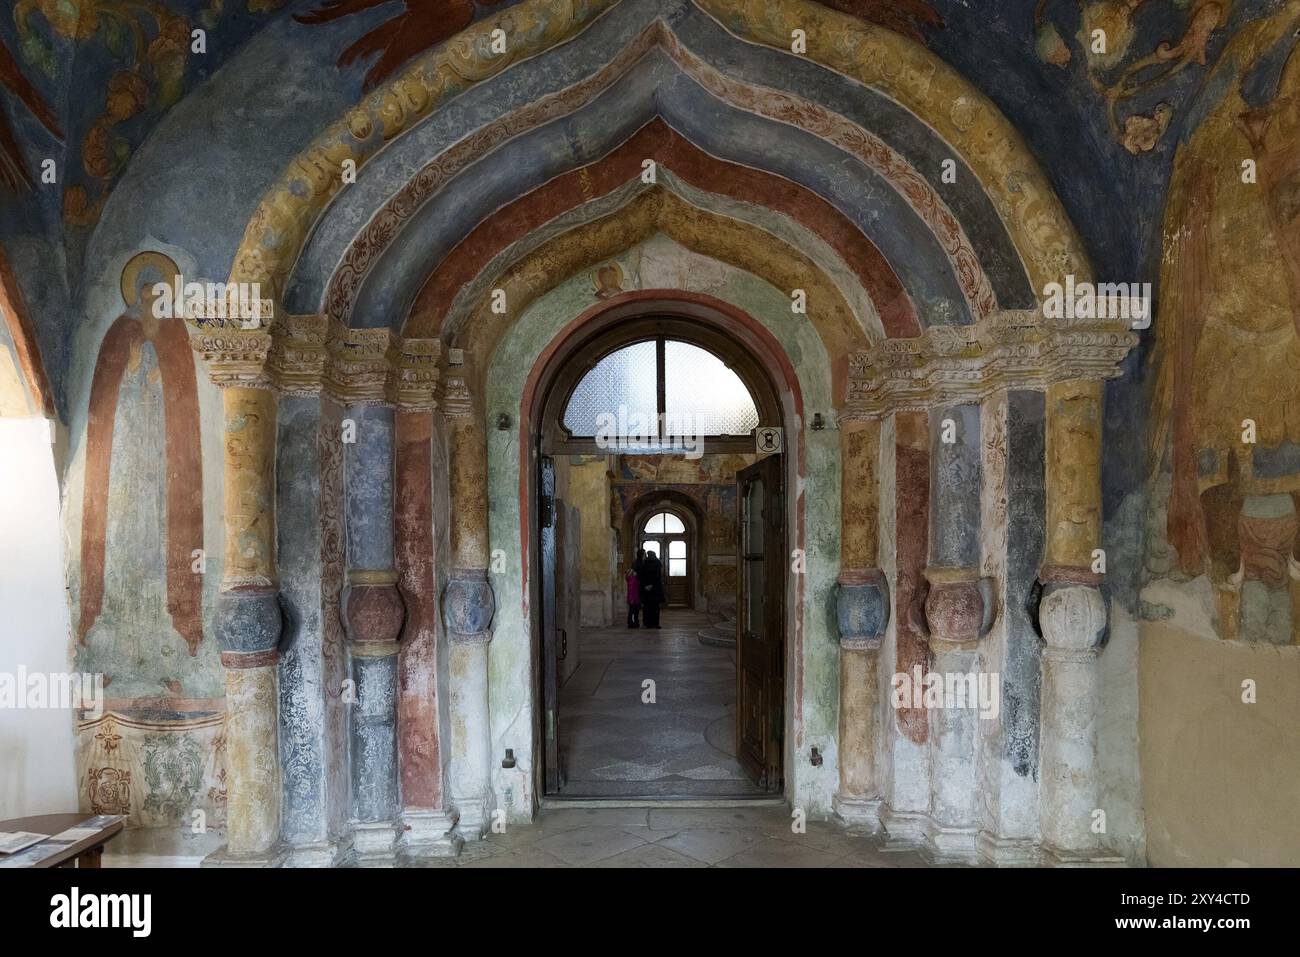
(688, 138)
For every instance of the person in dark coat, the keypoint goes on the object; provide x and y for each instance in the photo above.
(651, 579)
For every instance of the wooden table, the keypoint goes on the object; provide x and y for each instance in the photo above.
(83, 853)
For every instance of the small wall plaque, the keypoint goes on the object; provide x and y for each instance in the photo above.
(769, 440)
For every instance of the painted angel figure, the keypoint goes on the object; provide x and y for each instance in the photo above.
(1227, 403)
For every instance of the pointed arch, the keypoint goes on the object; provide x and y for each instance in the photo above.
(480, 328)
(905, 72)
(674, 153)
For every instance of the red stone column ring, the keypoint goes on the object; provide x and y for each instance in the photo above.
(957, 606)
(373, 611)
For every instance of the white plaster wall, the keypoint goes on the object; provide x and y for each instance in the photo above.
(36, 761)
(1120, 792)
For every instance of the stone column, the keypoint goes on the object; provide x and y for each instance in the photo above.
(372, 616)
(862, 610)
(1012, 532)
(312, 668)
(248, 623)
(1072, 616)
(958, 611)
(426, 825)
(309, 676)
(468, 609)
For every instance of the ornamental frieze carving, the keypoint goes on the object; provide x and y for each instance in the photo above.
(457, 401)
(1011, 349)
(313, 354)
(234, 350)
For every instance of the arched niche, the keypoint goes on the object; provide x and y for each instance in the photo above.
(691, 515)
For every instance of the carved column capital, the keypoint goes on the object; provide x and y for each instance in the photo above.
(457, 399)
(298, 355)
(234, 351)
(1010, 349)
(357, 371)
(415, 375)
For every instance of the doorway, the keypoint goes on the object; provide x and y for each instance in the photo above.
(643, 713)
(664, 535)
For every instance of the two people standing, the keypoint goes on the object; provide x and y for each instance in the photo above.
(645, 588)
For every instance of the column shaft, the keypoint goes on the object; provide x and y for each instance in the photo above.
(956, 610)
(1073, 473)
(1072, 617)
(373, 615)
(862, 607)
(468, 609)
(309, 686)
(248, 623)
(425, 823)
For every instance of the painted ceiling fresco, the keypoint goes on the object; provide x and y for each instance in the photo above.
(83, 82)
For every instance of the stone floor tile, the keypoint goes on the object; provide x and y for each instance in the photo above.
(588, 845)
(773, 852)
(818, 834)
(757, 816)
(530, 856)
(711, 844)
(650, 855)
(567, 817)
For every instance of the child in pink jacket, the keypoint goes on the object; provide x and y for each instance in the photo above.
(634, 591)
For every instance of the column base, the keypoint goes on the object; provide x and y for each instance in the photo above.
(919, 830)
(375, 844)
(222, 857)
(429, 834)
(322, 854)
(1081, 857)
(904, 829)
(472, 819)
(858, 812)
(1007, 851)
(953, 845)
(944, 844)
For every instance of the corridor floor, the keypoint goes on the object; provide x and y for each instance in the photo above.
(752, 835)
(615, 744)
(746, 834)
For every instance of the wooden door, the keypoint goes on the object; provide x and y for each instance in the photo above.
(550, 638)
(676, 555)
(677, 571)
(568, 588)
(760, 622)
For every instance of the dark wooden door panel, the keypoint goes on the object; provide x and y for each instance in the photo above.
(760, 644)
(550, 644)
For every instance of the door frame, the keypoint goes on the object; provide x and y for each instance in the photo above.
(686, 509)
(762, 364)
